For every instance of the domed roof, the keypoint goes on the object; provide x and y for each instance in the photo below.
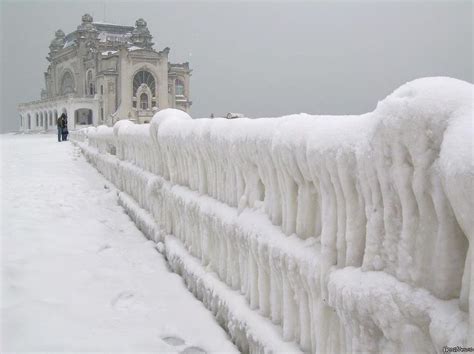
(60, 34)
(58, 41)
(86, 24)
(140, 23)
(86, 18)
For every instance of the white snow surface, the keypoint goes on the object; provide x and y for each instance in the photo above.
(350, 233)
(109, 52)
(77, 274)
(133, 48)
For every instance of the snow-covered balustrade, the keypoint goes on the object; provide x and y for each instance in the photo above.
(350, 233)
(78, 135)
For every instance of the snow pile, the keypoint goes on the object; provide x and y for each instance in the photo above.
(304, 214)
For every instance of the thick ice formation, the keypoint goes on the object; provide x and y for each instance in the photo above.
(351, 233)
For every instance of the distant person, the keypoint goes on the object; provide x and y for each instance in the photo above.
(212, 115)
(59, 124)
(64, 131)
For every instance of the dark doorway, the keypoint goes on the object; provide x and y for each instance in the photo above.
(83, 116)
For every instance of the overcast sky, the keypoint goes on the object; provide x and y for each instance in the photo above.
(259, 58)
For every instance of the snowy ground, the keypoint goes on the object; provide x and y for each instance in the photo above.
(77, 275)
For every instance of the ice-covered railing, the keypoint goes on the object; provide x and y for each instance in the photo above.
(369, 216)
(78, 135)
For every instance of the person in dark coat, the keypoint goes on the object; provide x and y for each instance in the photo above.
(64, 131)
(59, 124)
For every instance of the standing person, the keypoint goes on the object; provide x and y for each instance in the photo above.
(59, 124)
(65, 132)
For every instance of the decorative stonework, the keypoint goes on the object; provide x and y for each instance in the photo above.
(100, 60)
(87, 33)
(144, 60)
(86, 18)
(141, 36)
(57, 43)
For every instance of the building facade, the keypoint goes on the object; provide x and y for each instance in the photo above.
(104, 72)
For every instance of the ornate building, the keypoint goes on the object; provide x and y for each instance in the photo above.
(104, 72)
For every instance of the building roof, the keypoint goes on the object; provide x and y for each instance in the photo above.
(113, 32)
(107, 32)
(104, 37)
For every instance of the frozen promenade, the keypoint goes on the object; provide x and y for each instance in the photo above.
(77, 275)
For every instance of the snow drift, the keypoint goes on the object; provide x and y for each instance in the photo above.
(349, 233)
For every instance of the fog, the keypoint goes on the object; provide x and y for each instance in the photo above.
(259, 58)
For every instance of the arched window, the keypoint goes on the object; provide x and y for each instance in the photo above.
(179, 87)
(67, 83)
(144, 101)
(144, 77)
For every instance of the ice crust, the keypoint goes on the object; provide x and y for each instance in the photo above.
(350, 233)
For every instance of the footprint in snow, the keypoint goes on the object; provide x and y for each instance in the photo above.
(175, 341)
(123, 300)
(103, 248)
(193, 350)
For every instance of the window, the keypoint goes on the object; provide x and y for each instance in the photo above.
(21, 121)
(67, 83)
(101, 113)
(101, 89)
(144, 101)
(144, 77)
(134, 104)
(37, 120)
(179, 87)
(90, 87)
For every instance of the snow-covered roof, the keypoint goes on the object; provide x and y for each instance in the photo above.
(105, 36)
(109, 52)
(107, 24)
(68, 44)
(107, 32)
